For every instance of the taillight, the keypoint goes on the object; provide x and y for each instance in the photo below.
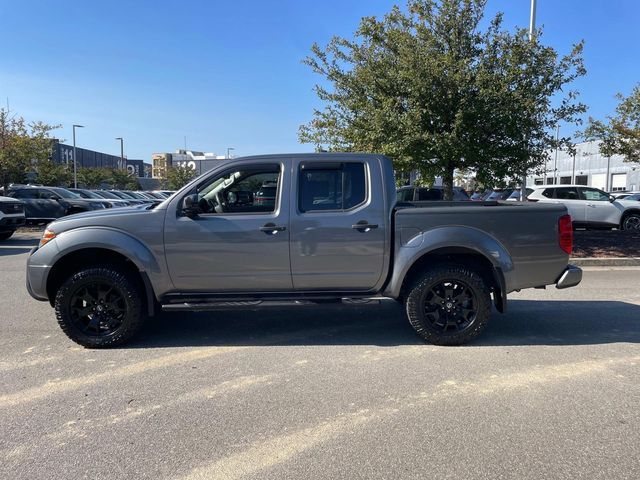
(565, 233)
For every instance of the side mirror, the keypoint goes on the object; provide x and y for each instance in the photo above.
(612, 198)
(190, 206)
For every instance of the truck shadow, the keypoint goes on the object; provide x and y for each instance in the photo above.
(528, 322)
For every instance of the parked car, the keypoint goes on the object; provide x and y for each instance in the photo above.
(590, 207)
(123, 196)
(434, 193)
(266, 195)
(334, 231)
(94, 196)
(498, 194)
(622, 195)
(43, 204)
(11, 216)
(515, 195)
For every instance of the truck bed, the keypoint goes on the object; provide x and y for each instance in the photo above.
(527, 233)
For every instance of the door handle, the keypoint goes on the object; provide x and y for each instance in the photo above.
(272, 228)
(364, 226)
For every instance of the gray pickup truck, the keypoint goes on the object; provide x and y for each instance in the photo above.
(299, 230)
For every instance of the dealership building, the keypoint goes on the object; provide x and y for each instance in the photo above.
(589, 167)
(62, 153)
(199, 161)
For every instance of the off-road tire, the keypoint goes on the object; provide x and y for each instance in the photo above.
(434, 277)
(127, 288)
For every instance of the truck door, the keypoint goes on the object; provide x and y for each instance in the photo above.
(338, 225)
(240, 240)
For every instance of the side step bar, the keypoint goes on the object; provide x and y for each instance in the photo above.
(249, 304)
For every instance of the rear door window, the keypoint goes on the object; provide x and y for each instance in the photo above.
(427, 194)
(335, 186)
(567, 193)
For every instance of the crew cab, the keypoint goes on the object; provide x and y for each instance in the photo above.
(333, 233)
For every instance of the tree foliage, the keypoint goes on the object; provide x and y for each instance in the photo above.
(179, 176)
(93, 177)
(122, 179)
(620, 134)
(22, 144)
(428, 87)
(51, 173)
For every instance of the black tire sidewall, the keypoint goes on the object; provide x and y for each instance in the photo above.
(415, 304)
(6, 235)
(131, 323)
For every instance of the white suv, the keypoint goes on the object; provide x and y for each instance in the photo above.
(11, 216)
(590, 207)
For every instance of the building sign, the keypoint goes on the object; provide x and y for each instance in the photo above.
(136, 167)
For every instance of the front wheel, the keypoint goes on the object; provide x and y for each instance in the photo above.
(99, 307)
(631, 222)
(6, 235)
(449, 305)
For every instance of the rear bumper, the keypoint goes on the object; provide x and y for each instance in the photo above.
(571, 277)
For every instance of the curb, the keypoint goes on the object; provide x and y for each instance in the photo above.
(606, 262)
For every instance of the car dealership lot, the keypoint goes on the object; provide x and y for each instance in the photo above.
(551, 389)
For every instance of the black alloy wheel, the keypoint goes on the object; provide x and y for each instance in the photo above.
(449, 305)
(100, 307)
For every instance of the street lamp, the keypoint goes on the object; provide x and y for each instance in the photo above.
(229, 151)
(75, 163)
(121, 151)
(532, 30)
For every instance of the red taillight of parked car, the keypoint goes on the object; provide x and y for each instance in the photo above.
(565, 233)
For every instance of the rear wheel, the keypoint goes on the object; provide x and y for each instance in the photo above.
(99, 307)
(449, 305)
(6, 235)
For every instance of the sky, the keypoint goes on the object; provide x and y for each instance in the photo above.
(230, 73)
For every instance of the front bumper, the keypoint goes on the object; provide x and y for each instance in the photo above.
(37, 279)
(571, 277)
(11, 222)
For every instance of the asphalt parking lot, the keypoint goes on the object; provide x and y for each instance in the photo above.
(551, 390)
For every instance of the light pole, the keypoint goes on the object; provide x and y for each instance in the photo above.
(532, 28)
(75, 162)
(229, 152)
(122, 165)
(555, 163)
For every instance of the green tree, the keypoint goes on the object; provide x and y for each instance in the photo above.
(21, 145)
(93, 177)
(620, 134)
(122, 179)
(433, 90)
(51, 173)
(178, 177)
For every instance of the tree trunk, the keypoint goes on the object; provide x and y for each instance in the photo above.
(447, 182)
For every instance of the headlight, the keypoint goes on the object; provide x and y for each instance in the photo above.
(47, 236)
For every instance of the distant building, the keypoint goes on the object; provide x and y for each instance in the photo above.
(200, 161)
(589, 167)
(63, 153)
(139, 168)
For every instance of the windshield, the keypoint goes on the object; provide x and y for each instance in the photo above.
(64, 193)
(88, 194)
(103, 194)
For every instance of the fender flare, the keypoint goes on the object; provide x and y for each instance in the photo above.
(416, 246)
(117, 241)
